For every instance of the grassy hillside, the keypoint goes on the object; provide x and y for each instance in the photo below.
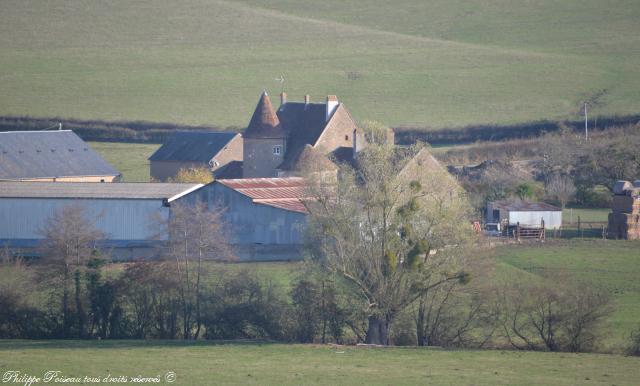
(437, 63)
(204, 363)
(613, 266)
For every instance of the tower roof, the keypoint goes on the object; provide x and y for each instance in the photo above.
(264, 122)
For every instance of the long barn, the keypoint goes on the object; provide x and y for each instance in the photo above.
(127, 213)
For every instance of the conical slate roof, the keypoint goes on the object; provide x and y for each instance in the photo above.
(264, 122)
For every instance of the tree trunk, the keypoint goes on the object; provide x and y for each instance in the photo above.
(377, 332)
(65, 304)
(420, 328)
(79, 309)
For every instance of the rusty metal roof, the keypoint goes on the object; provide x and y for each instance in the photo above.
(283, 193)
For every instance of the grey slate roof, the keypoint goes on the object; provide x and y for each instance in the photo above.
(304, 124)
(48, 154)
(139, 190)
(192, 146)
(523, 206)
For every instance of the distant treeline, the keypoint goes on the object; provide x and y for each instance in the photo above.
(156, 132)
(469, 134)
(98, 130)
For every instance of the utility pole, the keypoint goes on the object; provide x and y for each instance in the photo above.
(586, 128)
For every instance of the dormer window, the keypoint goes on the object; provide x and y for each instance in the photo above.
(277, 150)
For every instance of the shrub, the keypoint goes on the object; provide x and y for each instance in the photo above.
(634, 346)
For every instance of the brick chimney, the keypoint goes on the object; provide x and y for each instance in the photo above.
(332, 103)
(307, 99)
(283, 98)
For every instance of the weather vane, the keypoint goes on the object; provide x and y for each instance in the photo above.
(281, 80)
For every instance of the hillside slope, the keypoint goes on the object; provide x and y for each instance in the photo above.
(436, 64)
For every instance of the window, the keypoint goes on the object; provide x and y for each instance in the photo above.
(277, 149)
(346, 137)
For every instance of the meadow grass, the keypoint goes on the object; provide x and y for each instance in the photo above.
(611, 266)
(131, 159)
(432, 64)
(570, 215)
(208, 363)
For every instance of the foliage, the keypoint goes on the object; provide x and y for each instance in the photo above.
(196, 175)
(634, 344)
(378, 226)
(528, 191)
(241, 307)
(195, 233)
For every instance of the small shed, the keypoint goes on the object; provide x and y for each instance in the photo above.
(525, 213)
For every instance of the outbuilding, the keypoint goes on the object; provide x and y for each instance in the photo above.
(55, 155)
(266, 216)
(220, 152)
(529, 214)
(127, 213)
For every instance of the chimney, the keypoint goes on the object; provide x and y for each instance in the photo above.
(332, 103)
(307, 98)
(283, 98)
(355, 144)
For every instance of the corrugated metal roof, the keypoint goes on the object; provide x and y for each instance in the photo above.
(49, 154)
(523, 206)
(192, 146)
(126, 190)
(283, 193)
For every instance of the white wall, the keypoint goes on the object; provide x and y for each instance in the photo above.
(119, 219)
(552, 219)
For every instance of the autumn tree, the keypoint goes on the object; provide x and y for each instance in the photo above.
(70, 238)
(196, 175)
(196, 233)
(378, 228)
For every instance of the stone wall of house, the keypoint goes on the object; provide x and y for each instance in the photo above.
(260, 157)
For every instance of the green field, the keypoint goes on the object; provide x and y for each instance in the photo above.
(410, 62)
(613, 266)
(204, 363)
(131, 159)
(570, 215)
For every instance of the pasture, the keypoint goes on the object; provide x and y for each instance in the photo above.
(431, 64)
(207, 363)
(131, 159)
(612, 266)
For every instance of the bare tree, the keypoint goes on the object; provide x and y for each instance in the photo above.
(557, 315)
(561, 187)
(70, 241)
(377, 230)
(196, 233)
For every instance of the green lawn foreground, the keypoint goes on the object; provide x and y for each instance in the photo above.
(613, 266)
(207, 363)
(131, 159)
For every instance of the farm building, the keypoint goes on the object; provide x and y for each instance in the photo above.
(524, 213)
(266, 215)
(219, 152)
(624, 219)
(126, 212)
(58, 155)
(275, 142)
